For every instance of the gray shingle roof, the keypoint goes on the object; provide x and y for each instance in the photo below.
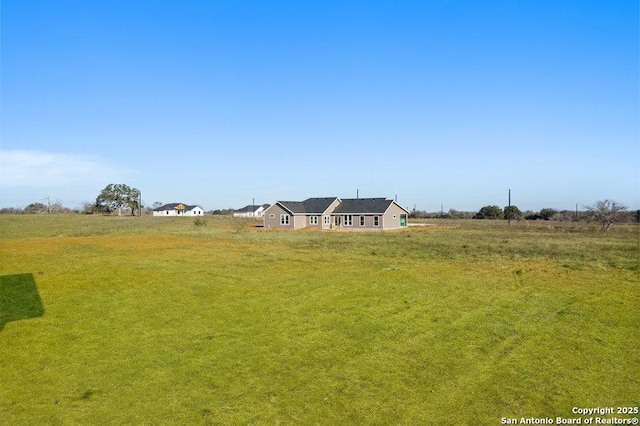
(251, 208)
(308, 206)
(363, 205)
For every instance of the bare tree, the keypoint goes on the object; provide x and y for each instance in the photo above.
(605, 212)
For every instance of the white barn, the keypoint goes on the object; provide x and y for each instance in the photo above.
(178, 209)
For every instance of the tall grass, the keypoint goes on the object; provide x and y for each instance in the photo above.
(159, 321)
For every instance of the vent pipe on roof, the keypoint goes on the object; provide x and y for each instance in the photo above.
(357, 193)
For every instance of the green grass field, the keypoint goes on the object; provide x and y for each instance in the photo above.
(149, 321)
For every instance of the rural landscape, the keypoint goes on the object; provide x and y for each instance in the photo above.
(143, 320)
(334, 213)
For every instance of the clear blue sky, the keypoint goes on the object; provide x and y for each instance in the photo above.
(216, 103)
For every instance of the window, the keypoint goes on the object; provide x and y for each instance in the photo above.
(376, 221)
(327, 220)
(361, 220)
(313, 220)
(284, 219)
(348, 220)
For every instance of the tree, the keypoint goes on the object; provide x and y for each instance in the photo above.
(417, 214)
(548, 214)
(87, 208)
(489, 212)
(57, 207)
(11, 210)
(605, 212)
(116, 196)
(512, 212)
(35, 208)
(566, 216)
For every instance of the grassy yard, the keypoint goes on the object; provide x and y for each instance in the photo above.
(111, 320)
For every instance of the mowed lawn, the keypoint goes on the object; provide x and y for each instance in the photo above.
(110, 320)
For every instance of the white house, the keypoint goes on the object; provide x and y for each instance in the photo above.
(178, 209)
(251, 211)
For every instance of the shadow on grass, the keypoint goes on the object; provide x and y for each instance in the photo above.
(19, 298)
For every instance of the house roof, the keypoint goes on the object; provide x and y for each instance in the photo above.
(308, 206)
(174, 206)
(364, 205)
(251, 208)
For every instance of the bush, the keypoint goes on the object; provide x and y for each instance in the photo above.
(240, 223)
(512, 212)
(548, 214)
(489, 212)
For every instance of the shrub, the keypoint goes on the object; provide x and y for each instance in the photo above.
(489, 212)
(512, 212)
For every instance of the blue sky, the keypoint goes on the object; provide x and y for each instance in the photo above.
(441, 103)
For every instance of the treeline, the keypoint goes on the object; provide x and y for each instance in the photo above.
(56, 208)
(88, 208)
(513, 213)
(221, 212)
(495, 212)
(39, 208)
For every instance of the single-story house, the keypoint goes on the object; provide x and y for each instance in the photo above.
(178, 209)
(301, 214)
(254, 210)
(333, 212)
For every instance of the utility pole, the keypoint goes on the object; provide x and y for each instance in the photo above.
(509, 209)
